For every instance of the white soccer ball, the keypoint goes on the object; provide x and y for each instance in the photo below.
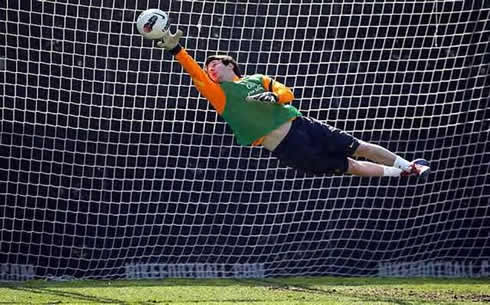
(152, 24)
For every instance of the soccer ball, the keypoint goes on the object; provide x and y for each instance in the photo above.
(152, 24)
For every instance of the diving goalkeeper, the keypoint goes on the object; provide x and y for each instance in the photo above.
(258, 110)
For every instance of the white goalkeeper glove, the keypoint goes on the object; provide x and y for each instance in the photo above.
(264, 97)
(170, 41)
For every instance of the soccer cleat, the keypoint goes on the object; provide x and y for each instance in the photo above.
(419, 167)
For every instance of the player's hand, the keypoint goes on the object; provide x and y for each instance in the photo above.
(264, 97)
(169, 40)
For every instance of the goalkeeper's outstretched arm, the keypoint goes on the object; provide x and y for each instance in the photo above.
(209, 89)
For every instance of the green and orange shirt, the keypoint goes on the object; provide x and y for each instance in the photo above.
(249, 121)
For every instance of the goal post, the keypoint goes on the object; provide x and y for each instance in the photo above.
(113, 166)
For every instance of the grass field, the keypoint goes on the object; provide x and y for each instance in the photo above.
(275, 291)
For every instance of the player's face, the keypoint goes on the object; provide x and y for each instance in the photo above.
(218, 72)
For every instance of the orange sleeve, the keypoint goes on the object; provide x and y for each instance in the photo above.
(284, 94)
(209, 89)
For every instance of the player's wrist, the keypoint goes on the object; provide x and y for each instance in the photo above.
(176, 49)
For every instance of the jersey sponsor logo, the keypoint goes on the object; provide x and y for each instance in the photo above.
(254, 88)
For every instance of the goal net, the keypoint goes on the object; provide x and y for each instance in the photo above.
(112, 165)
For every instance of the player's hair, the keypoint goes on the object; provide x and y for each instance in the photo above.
(225, 59)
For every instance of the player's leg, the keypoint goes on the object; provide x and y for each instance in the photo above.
(370, 169)
(381, 155)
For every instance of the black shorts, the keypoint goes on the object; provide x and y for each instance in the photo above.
(316, 147)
